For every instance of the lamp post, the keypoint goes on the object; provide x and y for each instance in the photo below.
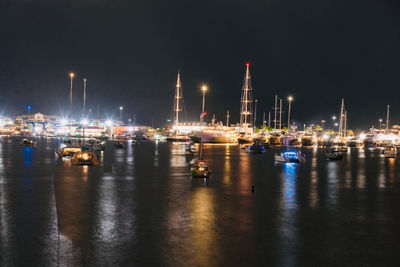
(380, 124)
(333, 122)
(71, 75)
(290, 99)
(203, 89)
(120, 112)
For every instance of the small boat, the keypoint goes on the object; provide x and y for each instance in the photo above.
(84, 158)
(245, 140)
(119, 144)
(333, 156)
(389, 151)
(68, 151)
(200, 169)
(255, 148)
(27, 142)
(135, 142)
(290, 157)
(190, 149)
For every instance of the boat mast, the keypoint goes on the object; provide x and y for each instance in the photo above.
(269, 118)
(227, 118)
(255, 115)
(178, 96)
(387, 117)
(275, 109)
(345, 123)
(280, 114)
(263, 119)
(341, 128)
(246, 101)
(84, 97)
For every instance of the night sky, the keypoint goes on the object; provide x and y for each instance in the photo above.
(130, 51)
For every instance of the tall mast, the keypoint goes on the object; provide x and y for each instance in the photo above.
(269, 118)
(255, 115)
(227, 118)
(280, 114)
(263, 119)
(84, 97)
(246, 101)
(387, 117)
(345, 123)
(275, 109)
(178, 97)
(341, 125)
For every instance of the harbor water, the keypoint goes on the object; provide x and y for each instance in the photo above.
(141, 207)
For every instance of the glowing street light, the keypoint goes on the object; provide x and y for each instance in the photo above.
(333, 122)
(204, 90)
(120, 112)
(290, 99)
(71, 75)
(380, 123)
(109, 123)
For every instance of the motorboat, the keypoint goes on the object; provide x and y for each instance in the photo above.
(119, 144)
(200, 169)
(389, 151)
(135, 142)
(333, 156)
(67, 151)
(215, 134)
(308, 140)
(190, 149)
(275, 140)
(255, 148)
(290, 157)
(84, 158)
(245, 139)
(28, 142)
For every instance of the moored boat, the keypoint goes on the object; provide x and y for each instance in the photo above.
(67, 151)
(290, 157)
(84, 158)
(389, 151)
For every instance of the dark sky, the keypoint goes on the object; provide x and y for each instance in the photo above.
(130, 51)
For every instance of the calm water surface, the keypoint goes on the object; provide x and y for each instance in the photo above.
(140, 207)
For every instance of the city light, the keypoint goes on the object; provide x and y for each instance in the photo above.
(109, 123)
(64, 122)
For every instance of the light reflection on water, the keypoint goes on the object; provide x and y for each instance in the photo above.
(288, 234)
(141, 207)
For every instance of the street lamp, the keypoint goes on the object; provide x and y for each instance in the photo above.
(120, 112)
(203, 89)
(290, 99)
(333, 122)
(71, 75)
(380, 124)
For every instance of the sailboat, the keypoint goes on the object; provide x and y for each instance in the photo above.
(200, 168)
(341, 143)
(174, 135)
(246, 109)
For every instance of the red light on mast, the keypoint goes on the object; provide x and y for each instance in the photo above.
(247, 64)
